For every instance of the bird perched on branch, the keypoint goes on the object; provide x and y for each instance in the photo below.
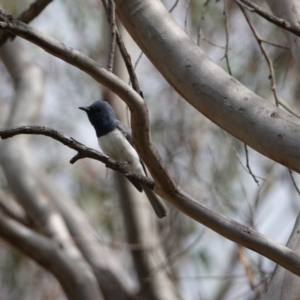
(115, 140)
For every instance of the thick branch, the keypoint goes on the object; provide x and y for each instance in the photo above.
(83, 151)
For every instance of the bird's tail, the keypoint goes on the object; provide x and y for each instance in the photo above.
(157, 203)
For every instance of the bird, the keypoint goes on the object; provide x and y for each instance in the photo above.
(115, 140)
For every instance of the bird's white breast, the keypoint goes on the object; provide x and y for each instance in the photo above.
(115, 145)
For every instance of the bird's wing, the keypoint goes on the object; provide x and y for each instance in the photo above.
(127, 133)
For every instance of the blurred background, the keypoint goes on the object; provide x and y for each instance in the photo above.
(207, 162)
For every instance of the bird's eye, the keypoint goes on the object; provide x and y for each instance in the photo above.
(99, 110)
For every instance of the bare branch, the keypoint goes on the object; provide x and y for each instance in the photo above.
(248, 165)
(260, 42)
(13, 210)
(125, 55)
(273, 19)
(83, 151)
(227, 38)
(112, 21)
(201, 20)
(275, 44)
(247, 169)
(187, 7)
(265, 54)
(294, 182)
(75, 281)
(173, 6)
(28, 15)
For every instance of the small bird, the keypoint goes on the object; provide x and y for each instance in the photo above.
(115, 140)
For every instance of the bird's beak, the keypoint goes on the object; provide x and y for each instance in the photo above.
(86, 109)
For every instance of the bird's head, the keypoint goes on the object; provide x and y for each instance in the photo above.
(101, 115)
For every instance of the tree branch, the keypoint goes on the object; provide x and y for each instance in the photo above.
(28, 15)
(11, 209)
(83, 151)
(271, 18)
(109, 6)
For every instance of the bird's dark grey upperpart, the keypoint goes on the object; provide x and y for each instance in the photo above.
(101, 116)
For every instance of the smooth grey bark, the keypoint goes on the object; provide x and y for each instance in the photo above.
(221, 98)
(284, 285)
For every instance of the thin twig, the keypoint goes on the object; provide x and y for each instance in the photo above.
(83, 151)
(288, 109)
(273, 19)
(202, 18)
(275, 44)
(211, 43)
(127, 59)
(265, 54)
(166, 264)
(112, 21)
(269, 62)
(248, 165)
(294, 182)
(174, 5)
(186, 14)
(125, 55)
(26, 16)
(227, 39)
(248, 170)
(138, 59)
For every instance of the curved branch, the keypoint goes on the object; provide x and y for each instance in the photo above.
(83, 151)
(11, 209)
